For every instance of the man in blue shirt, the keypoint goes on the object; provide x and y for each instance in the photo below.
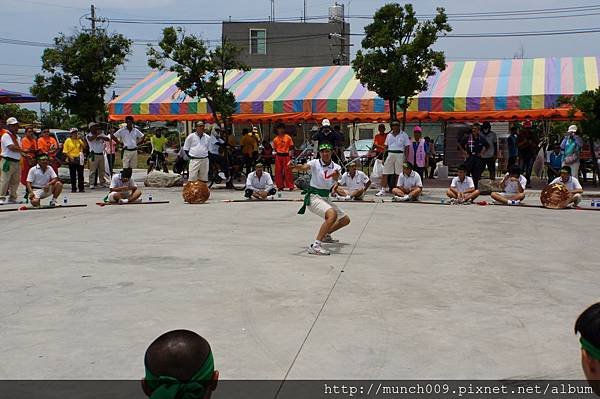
(554, 162)
(513, 149)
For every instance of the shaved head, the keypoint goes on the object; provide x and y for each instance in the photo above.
(178, 354)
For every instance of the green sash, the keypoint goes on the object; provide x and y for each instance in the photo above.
(323, 192)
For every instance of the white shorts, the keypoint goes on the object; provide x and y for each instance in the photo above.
(319, 206)
(130, 159)
(124, 195)
(41, 194)
(393, 164)
(199, 169)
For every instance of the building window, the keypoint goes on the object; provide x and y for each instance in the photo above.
(365, 134)
(258, 41)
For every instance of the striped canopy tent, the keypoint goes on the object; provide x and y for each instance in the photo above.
(465, 90)
(10, 97)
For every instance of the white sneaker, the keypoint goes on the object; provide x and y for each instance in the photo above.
(347, 198)
(329, 239)
(270, 197)
(396, 198)
(317, 250)
(380, 193)
(401, 199)
(221, 175)
(453, 201)
(123, 201)
(514, 202)
(52, 203)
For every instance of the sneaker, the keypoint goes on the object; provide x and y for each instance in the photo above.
(317, 250)
(52, 203)
(453, 201)
(347, 198)
(222, 175)
(123, 201)
(514, 202)
(405, 198)
(396, 198)
(380, 193)
(329, 239)
(270, 197)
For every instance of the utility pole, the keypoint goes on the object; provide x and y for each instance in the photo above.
(304, 11)
(272, 10)
(94, 20)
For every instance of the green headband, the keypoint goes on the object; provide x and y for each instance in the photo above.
(164, 387)
(590, 348)
(325, 147)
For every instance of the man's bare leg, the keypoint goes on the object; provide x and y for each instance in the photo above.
(330, 218)
(415, 193)
(343, 222)
(135, 195)
(472, 196)
(451, 194)
(56, 189)
(357, 194)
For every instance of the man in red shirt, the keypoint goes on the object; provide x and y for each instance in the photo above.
(283, 145)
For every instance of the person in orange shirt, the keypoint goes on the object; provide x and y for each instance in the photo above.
(29, 145)
(283, 145)
(49, 146)
(379, 149)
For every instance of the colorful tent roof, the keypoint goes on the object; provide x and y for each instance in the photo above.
(497, 89)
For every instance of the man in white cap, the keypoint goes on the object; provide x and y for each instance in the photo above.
(571, 147)
(326, 135)
(96, 139)
(396, 147)
(130, 137)
(11, 161)
(196, 147)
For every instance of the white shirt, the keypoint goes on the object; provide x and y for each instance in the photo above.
(321, 174)
(116, 182)
(264, 183)
(463, 186)
(96, 146)
(571, 184)
(7, 152)
(511, 186)
(196, 145)
(213, 148)
(38, 178)
(413, 180)
(398, 142)
(359, 181)
(129, 138)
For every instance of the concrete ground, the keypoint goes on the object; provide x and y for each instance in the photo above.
(411, 291)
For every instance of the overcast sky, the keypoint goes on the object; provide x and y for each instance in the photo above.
(40, 21)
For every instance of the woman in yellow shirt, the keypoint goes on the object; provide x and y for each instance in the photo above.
(73, 151)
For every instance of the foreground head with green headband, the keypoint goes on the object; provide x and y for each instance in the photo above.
(588, 327)
(179, 365)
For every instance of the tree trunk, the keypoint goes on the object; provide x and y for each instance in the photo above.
(404, 109)
(392, 111)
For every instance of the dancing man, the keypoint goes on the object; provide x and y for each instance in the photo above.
(324, 175)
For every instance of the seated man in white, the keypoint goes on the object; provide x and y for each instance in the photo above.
(513, 186)
(409, 186)
(42, 182)
(356, 183)
(259, 184)
(571, 183)
(123, 188)
(462, 189)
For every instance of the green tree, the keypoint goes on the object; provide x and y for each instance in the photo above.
(397, 56)
(201, 71)
(59, 118)
(23, 115)
(588, 104)
(79, 69)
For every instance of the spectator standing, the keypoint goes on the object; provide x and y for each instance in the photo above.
(396, 147)
(110, 148)
(48, 145)
(73, 150)
(379, 152)
(473, 146)
(28, 161)
(527, 145)
(513, 148)
(283, 146)
(130, 137)
(417, 152)
(571, 146)
(159, 153)
(11, 159)
(196, 147)
(554, 161)
(96, 139)
(250, 142)
(431, 156)
(488, 158)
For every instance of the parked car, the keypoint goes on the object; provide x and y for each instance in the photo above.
(363, 148)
